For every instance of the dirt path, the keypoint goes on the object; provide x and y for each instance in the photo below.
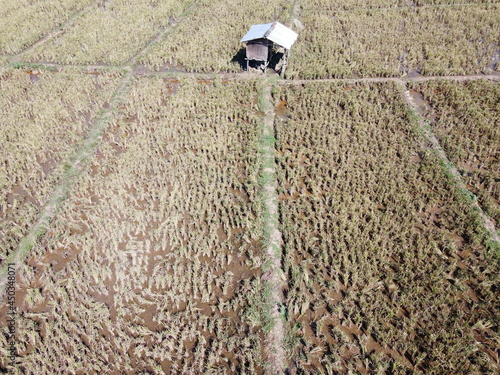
(240, 75)
(493, 77)
(273, 275)
(434, 142)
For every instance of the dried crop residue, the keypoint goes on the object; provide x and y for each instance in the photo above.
(103, 291)
(325, 332)
(412, 101)
(467, 133)
(326, 329)
(351, 303)
(134, 269)
(58, 30)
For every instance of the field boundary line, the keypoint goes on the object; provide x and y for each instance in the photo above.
(55, 32)
(61, 191)
(449, 167)
(472, 77)
(238, 75)
(294, 10)
(409, 7)
(244, 75)
(461, 78)
(273, 275)
(68, 69)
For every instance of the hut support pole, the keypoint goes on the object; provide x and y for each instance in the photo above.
(285, 61)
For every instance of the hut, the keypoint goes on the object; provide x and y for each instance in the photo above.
(260, 38)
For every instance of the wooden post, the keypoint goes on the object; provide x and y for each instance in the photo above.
(285, 60)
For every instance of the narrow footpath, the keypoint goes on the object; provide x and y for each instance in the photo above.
(273, 275)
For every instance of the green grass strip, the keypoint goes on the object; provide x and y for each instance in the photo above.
(274, 311)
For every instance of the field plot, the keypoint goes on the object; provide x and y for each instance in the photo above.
(153, 264)
(348, 5)
(43, 116)
(429, 41)
(111, 33)
(386, 264)
(209, 40)
(465, 117)
(24, 21)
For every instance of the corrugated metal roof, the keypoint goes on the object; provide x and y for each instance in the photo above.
(276, 32)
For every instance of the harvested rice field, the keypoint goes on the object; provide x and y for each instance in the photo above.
(396, 42)
(465, 117)
(102, 36)
(387, 264)
(25, 22)
(164, 210)
(44, 116)
(155, 258)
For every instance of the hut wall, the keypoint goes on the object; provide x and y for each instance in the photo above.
(258, 50)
